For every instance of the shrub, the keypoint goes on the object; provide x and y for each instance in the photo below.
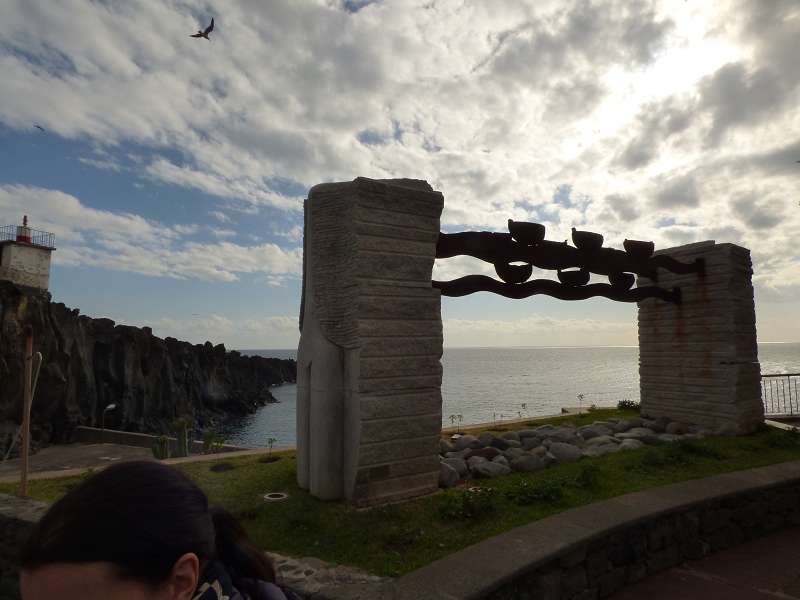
(783, 438)
(212, 442)
(526, 492)
(589, 477)
(474, 502)
(161, 448)
(628, 405)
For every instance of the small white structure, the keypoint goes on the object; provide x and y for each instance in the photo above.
(25, 255)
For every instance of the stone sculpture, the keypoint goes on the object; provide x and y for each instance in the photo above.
(369, 371)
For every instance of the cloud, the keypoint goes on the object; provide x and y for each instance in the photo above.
(678, 191)
(87, 236)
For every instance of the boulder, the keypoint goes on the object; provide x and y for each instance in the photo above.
(459, 464)
(677, 428)
(525, 433)
(621, 426)
(485, 438)
(445, 447)
(489, 470)
(631, 444)
(668, 437)
(501, 443)
(528, 443)
(510, 435)
(514, 444)
(539, 451)
(567, 435)
(513, 453)
(458, 454)
(487, 453)
(601, 449)
(564, 453)
(467, 441)
(527, 464)
(549, 460)
(475, 460)
(601, 440)
(637, 433)
(588, 432)
(448, 476)
(501, 460)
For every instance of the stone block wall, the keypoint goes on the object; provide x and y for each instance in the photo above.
(369, 371)
(603, 566)
(25, 264)
(698, 360)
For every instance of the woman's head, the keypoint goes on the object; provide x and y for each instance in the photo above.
(135, 530)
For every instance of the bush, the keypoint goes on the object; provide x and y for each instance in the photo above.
(628, 405)
(588, 478)
(471, 503)
(161, 448)
(526, 492)
(783, 438)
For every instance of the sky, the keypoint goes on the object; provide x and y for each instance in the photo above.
(173, 170)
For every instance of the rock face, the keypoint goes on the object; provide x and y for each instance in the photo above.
(91, 363)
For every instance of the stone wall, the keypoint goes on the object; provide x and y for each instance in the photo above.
(602, 566)
(25, 264)
(369, 371)
(17, 517)
(698, 360)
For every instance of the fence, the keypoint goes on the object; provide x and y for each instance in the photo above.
(37, 238)
(781, 394)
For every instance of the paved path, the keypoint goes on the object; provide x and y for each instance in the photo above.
(74, 459)
(763, 569)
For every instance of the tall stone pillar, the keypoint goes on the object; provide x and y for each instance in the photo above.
(369, 372)
(698, 360)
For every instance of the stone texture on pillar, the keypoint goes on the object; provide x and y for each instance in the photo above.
(698, 361)
(369, 371)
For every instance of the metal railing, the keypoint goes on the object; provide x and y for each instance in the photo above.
(37, 238)
(781, 394)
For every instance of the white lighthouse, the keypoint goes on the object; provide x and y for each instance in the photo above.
(25, 255)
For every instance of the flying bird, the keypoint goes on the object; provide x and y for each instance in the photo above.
(39, 127)
(204, 34)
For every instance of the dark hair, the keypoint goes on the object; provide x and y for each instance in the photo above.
(142, 516)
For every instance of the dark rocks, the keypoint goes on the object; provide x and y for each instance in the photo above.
(527, 464)
(459, 464)
(448, 476)
(466, 441)
(91, 363)
(565, 453)
(489, 470)
(531, 442)
(487, 453)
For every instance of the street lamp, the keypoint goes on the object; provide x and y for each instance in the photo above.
(108, 408)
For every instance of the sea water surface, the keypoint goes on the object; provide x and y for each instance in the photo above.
(488, 384)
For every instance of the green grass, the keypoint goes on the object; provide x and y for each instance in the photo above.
(395, 539)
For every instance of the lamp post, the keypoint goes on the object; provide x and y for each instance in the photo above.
(108, 408)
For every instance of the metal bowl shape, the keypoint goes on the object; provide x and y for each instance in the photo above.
(622, 281)
(513, 273)
(275, 497)
(639, 249)
(574, 278)
(529, 234)
(586, 240)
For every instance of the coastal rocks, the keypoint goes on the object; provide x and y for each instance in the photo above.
(490, 470)
(527, 464)
(91, 363)
(459, 464)
(486, 455)
(565, 453)
(448, 476)
(467, 441)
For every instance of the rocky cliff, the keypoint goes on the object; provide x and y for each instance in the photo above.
(91, 363)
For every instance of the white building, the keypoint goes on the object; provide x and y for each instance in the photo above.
(25, 255)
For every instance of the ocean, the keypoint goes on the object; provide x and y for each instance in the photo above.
(492, 384)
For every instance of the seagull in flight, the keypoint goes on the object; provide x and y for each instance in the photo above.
(39, 127)
(204, 34)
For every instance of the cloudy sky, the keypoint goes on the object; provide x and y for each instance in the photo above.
(173, 170)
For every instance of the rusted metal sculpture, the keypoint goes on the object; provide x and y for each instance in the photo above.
(525, 244)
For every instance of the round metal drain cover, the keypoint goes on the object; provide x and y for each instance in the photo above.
(275, 496)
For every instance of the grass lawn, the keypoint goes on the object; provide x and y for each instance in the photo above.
(396, 539)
